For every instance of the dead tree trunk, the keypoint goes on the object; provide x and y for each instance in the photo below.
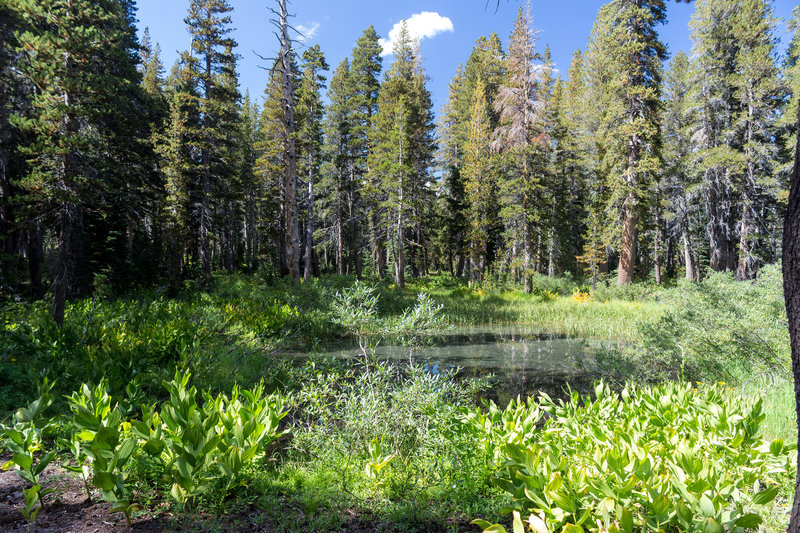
(292, 233)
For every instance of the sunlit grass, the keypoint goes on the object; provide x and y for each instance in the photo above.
(615, 319)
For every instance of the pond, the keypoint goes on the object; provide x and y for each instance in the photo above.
(520, 361)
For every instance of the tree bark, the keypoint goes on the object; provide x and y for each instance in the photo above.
(292, 233)
(35, 261)
(687, 253)
(310, 225)
(747, 267)
(791, 292)
(339, 237)
(627, 253)
(62, 263)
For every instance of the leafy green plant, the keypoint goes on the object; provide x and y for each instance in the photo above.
(248, 424)
(24, 440)
(719, 329)
(190, 439)
(197, 445)
(659, 458)
(101, 439)
(378, 461)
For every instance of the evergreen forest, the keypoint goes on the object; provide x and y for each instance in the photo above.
(555, 304)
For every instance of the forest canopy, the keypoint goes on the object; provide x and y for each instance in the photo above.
(633, 163)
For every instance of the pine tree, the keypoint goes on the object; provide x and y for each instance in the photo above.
(792, 73)
(176, 146)
(309, 135)
(479, 185)
(336, 185)
(363, 84)
(520, 103)
(714, 49)
(633, 56)
(760, 95)
(390, 163)
(247, 155)
(286, 66)
(209, 26)
(73, 53)
(10, 234)
(680, 183)
(453, 209)
(269, 175)
(402, 146)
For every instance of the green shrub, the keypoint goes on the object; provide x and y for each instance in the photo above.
(395, 430)
(667, 458)
(719, 329)
(101, 440)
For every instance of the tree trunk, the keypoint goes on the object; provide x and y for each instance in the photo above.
(747, 268)
(292, 233)
(627, 252)
(791, 291)
(62, 263)
(687, 253)
(721, 252)
(657, 255)
(339, 238)
(205, 220)
(35, 262)
(310, 225)
(400, 263)
(377, 243)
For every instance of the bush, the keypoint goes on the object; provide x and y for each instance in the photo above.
(396, 430)
(719, 329)
(666, 458)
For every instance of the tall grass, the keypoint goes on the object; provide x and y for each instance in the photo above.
(613, 319)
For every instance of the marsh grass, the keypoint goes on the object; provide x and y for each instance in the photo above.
(614, 319)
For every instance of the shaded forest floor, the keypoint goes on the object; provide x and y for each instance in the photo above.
(69, 510)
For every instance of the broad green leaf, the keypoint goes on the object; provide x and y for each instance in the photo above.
(488, 526)
(23, 461)
(710, 525)
(43, 462)
(776, 447)
(749, 521)
(707, 506)
(517, 523)
(626, 521)
(766, 496)
(104, 481)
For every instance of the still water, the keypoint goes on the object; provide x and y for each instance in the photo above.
(521, 361)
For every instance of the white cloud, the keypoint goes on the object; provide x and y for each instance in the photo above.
(307, 31)
(422, 25)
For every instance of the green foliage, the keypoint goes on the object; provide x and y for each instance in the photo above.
(100, 438)
(661, 458)
(356, 310)
(197, 445)
(23, 438)
(719, 329)
(394, 433)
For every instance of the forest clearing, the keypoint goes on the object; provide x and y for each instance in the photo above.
(559, 293)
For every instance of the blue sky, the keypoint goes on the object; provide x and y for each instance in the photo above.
(451, 26)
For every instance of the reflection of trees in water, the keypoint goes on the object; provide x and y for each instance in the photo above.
(522, 362)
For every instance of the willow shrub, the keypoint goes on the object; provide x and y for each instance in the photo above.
(663, 458)
(719, 329)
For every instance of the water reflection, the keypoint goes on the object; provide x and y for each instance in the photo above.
(521, 360)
